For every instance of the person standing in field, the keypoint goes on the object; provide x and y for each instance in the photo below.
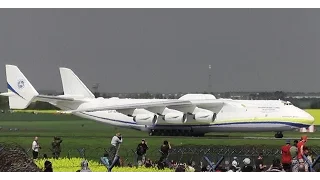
(300, 147)
(294, 158)
(306, 154)
(164, 149)
(115, 142)
(286, 156)
(48, 166)
(85, 166)
(259, 163)
(114, 150)
(105, 160)
(141, 152)
(56, 148)
(35, 148)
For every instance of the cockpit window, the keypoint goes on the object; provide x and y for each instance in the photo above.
(288, 103)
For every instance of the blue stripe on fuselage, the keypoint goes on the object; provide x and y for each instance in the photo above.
(11, 89)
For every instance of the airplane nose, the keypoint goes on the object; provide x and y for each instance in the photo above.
(309, 117)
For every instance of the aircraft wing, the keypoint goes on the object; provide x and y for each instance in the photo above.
(173, 104)
(166, 103)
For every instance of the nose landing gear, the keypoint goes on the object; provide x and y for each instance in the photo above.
(278, 135)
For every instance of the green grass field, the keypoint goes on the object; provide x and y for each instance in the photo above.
(316, 114)
(83, 133)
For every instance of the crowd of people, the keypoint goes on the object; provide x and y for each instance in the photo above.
(295, 157)
(55, 147)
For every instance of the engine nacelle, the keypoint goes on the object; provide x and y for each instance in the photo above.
(205, 117)
(145, 119)
(175, 118)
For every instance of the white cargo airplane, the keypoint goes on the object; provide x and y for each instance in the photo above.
(192, 114)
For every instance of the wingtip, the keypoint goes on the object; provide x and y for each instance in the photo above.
(11, 65)
(65, 69)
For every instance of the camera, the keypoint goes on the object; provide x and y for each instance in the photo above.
(57, 138)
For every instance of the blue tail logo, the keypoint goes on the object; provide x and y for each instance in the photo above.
(12, 90)
(20, 84)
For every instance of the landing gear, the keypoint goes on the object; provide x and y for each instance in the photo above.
(154, 133)
(278, 135)
(161, 132)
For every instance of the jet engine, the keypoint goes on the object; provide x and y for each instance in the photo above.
(175, 118)
(205, 117)
(145, 119)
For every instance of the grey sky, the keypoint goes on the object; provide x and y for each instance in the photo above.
(165, 50)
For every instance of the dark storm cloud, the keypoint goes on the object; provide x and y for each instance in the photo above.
(165, 50)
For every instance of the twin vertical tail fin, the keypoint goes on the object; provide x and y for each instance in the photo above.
(72, 85)
(20, 90)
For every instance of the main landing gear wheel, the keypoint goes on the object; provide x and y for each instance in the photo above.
(160, 132)
(278, 135)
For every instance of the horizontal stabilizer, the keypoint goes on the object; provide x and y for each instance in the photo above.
(8, 94)
(47, 98)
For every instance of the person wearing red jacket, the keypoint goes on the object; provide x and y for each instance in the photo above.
(300, 146)
(286, 156)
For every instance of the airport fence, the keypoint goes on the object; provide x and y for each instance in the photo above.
(183, 154)
(17, 157)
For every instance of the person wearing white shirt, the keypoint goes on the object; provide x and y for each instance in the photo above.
(115, 142)
(35, 148)
(114, 150)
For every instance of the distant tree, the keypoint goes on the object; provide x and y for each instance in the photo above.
(105, 95)
(146, 95)
(315, 104)
(158, 96)
(226, 95)
(171, 96)
(4, 103)
(280, 95)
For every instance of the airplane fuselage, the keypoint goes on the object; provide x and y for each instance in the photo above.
(235, 116)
